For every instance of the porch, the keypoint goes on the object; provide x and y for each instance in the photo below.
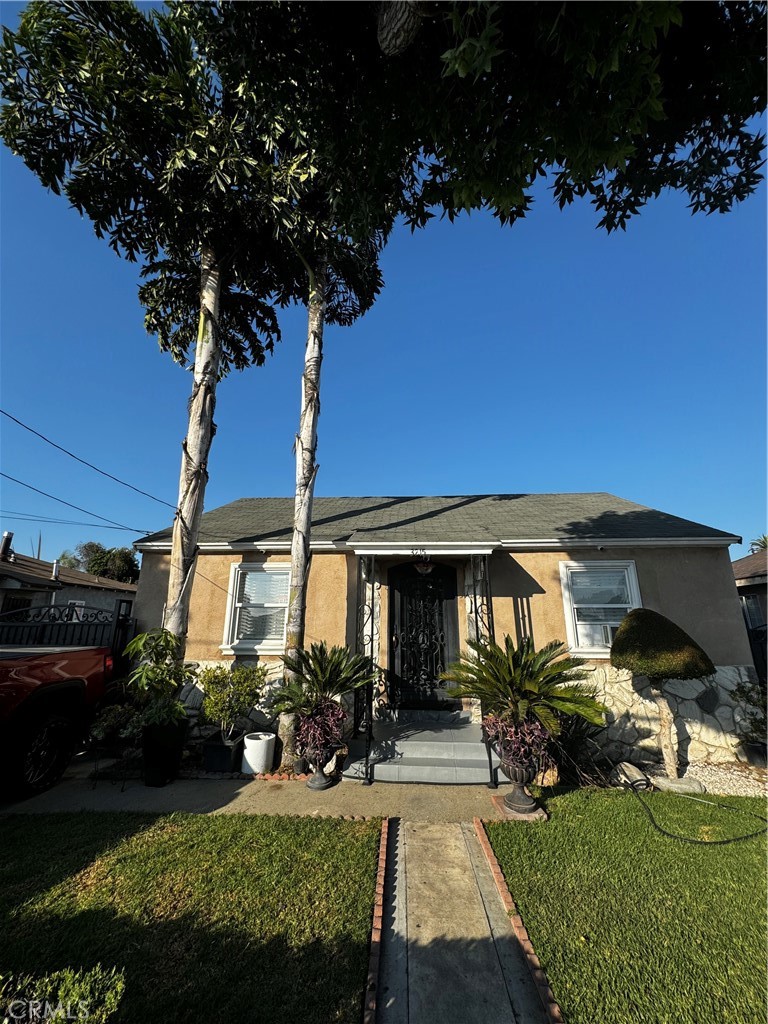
(416, 610)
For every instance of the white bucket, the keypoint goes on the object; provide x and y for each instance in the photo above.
(258, 753)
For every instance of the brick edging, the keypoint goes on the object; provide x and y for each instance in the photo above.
(278, 777)
(551, 1008)
(374, 956)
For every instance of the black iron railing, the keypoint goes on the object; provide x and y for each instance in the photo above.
(69, 626)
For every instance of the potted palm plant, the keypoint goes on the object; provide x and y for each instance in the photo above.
(525, 694)
(318, 679)
(231, 692)
(156, 683)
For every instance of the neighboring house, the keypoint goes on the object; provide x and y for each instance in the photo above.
(751, 575)
(408, 580)
(36, 596)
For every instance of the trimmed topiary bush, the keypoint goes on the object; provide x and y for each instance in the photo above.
(649, 644)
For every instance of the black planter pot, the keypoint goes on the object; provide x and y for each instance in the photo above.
(223, 755)
(300, 766)
(161, 748)
(517, 799)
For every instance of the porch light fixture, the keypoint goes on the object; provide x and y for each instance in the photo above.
(424, 567)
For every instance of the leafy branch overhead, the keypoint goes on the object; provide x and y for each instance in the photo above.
(616, 101)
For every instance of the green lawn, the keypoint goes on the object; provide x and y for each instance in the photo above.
(636, 928)
(233, 918)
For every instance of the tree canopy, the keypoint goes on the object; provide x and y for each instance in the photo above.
(112, 563)
(232, 148)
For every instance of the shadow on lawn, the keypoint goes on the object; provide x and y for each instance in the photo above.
(179, 970)
(177, 967)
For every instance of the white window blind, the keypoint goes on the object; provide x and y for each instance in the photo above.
(596, 597)
(259, 606)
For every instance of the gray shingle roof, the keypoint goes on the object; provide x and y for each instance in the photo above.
(755, 564)
(469, 518)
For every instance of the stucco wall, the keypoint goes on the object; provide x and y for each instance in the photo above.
(327, 595)
(327, 600)
(692, 586)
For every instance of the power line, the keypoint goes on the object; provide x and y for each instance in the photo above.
(70, 505)
(28, 517)
(88, 464)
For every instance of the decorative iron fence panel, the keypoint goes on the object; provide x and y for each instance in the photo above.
(68, 626)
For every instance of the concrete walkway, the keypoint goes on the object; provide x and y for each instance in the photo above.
(76, 792)
(449, 955)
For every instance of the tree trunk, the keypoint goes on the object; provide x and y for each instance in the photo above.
(306, 466)
(286, 741)
(398, 25)
(666, 726)
(195, 449)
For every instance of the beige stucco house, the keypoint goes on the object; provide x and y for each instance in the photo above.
(409, 579)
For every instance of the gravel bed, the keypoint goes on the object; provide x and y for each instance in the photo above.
(732, 779)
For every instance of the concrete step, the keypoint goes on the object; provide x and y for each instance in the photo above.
(459, 771)
(424, 739)
(436, 750)
(449, 716)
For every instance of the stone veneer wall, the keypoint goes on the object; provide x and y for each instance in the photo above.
(708, 720)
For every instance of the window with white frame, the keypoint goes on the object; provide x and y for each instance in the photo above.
(753, 610)
(258, 607)
(597, 596)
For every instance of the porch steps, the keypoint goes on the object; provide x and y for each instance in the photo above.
(448, 751)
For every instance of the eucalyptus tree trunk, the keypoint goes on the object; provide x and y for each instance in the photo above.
(306, 465)
(195, 449)
(666, 726)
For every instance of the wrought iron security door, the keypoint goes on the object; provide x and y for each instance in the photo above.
(423, 634)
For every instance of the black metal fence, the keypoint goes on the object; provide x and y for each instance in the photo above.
(69, 626)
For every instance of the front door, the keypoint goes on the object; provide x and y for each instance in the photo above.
(423, 633)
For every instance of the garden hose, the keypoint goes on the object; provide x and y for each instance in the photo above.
(634, 788)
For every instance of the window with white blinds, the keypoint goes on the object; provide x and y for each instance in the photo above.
(258, 607)
(596, 597)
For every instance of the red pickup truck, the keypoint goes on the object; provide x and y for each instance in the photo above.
(48, 696)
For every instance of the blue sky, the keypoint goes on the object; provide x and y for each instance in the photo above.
(543, 357)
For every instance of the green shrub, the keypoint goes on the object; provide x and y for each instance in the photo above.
(231, 692)
(116, 722)
(649, 644)
(752, 695)
(90, 996)
(158, 679)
